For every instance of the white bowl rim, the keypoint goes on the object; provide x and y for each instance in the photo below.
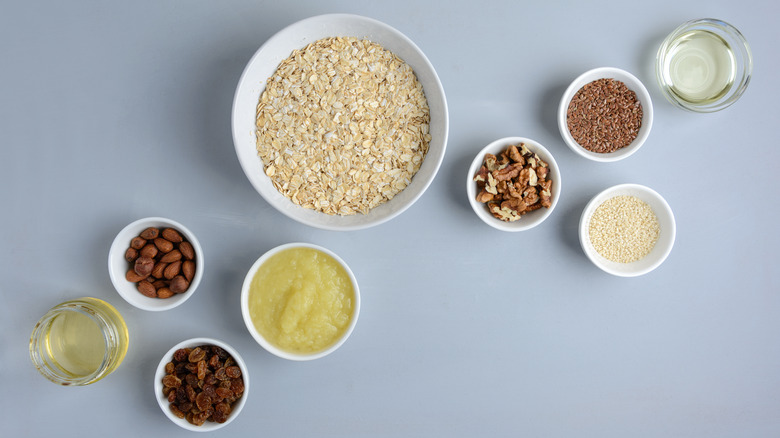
(634, 84)
(519, 225)
(163, 402)
(348, 223)
(639, 267)
(274, 349)
(127, 290)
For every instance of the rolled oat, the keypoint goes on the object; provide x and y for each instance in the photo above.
(342, 126)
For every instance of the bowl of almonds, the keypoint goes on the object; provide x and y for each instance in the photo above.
(605, 114)
(155, 263)
(513, 184)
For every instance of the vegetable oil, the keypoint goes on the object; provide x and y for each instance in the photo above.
(79, 342)
(700, 67)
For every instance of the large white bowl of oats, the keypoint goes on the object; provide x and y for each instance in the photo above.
(340, 122)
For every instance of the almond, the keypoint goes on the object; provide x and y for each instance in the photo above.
(159, 268)
(137, 243)
(131, 254)
(164, 292)
(147, 289)
(172, 270)
(187, 250)
(150, 233)
(149, 250)
(171, 256)
(172, 235)
(133, 277)
(163, 245)
(188, 269)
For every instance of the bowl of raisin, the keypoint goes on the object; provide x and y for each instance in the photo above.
(201, 384)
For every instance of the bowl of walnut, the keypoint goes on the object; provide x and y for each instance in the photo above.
(155, 263)
(605, 114)
(201, 384)
(340, 122)
(513, 184)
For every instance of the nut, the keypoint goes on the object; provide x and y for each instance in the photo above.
(162, 263)
(513, 183)
(143, 266)
(150, 233)
(179, 284)
(172, 235)
(188, 269)
(172, 270)
(147, 289)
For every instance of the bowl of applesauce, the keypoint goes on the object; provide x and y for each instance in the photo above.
(300, 301)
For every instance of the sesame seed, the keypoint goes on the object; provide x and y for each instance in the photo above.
(623, 229)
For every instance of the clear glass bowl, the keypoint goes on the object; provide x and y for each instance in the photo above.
(741, 63)
(79, 342)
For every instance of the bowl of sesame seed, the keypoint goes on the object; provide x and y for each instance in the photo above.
(627, 230)
(605, 114)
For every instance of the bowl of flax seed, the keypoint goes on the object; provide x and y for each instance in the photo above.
(627, 230)
(605, 114)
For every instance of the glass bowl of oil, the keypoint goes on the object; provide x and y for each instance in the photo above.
(79, 342)
(704, 66)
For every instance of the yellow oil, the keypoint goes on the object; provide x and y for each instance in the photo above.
(700, 67)
(79, 342)
(76, 344)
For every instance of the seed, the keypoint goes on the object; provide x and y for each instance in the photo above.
(604, 116)
(623, 229)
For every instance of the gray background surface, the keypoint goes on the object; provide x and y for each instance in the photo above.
(113, 111)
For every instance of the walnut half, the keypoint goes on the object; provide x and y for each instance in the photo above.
(513, 183)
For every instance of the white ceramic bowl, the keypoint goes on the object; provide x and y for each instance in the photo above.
(528, 220)
(163, 401)
(662, 247)
(296, 36)
(118, 266)
(634, 85)
(259, 337)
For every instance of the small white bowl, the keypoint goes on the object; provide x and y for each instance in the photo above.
(259, 337)
(662, 247)
(118, 266)
(528, 220)
(296, 36)
(634, 85)
(163, 401)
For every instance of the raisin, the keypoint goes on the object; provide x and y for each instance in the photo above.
(186, 406)
(214, 362)
(171, 396)
(191, 367)
(219, 417)
(191, 394)
(223, 393)
(233, 372)
(210, 391)
(180, 355)
(221, 374)
(237, 386)
(197, 354)
(210, 379)
(169, 368)
(181, 395)
(176, 411)
(171, 381)
(202, 401)
(191, 380)
(202, 369)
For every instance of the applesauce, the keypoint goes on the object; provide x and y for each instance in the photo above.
(301, 300)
